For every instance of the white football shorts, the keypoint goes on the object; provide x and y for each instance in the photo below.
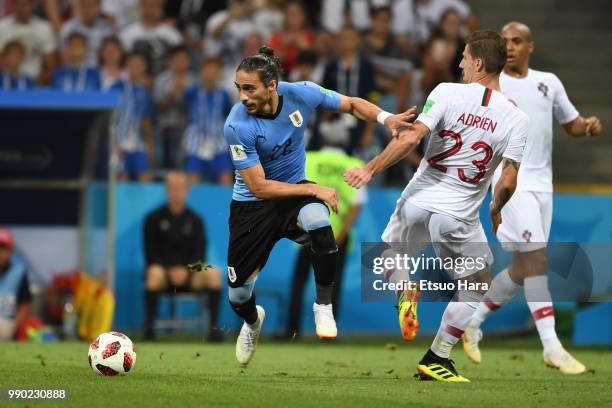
(526, 220)
(412, 229)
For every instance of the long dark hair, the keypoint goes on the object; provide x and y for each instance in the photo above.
(265, 63)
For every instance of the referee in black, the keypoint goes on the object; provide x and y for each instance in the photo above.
(174, 236)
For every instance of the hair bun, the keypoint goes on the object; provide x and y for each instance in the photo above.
(265, 63)
(266, 50)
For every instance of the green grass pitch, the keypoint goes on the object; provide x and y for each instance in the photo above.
(340, 374)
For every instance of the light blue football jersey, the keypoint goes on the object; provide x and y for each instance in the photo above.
(277, 142)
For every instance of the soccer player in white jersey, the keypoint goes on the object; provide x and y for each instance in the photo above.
(527, 217)
(473, 129)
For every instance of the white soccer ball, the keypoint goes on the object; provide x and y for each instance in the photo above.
(112, 353)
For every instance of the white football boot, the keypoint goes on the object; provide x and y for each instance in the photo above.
(324, 321)
(247, 339)
(563, 361)
(471, 337)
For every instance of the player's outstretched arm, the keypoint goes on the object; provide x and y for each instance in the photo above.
(581, 126)
(255, 179)
(503, 190)
(398, 148)
(364, 110)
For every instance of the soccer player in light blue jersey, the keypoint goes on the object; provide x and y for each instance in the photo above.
(272, 198)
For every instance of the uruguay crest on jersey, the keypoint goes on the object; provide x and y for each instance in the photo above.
(296, 118)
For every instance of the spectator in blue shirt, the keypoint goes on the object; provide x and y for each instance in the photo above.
(11, 78)
(208, 104)
(110, 62)
(135, 122)
(75, 75)
(168, 91)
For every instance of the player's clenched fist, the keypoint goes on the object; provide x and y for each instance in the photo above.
(329, 195)
(396, 122)
(357, 177)
(593, 126)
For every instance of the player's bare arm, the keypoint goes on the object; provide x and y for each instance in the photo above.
(364, 110)
(503, 190)
(264, 189)
(582, 126)
(398, 148)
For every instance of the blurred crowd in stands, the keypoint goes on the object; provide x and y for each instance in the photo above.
(174, 62)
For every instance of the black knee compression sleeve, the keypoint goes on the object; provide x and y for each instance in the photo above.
(324, 255)
(322, 241)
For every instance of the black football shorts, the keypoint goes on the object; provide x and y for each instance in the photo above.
(255, 227)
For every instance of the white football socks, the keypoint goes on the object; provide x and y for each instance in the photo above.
(540, 304)
(502, 289)
(454, 321)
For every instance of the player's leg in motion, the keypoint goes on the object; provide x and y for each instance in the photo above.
(407, 298)
(530, 268)
(460, 241)
(405, 233)
(503, 289)
(540, 304)
(242, 301)
(521, 232)
(314, 219)
(436, 363)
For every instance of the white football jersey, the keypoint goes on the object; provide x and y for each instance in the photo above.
(472, 128)
(539, 95)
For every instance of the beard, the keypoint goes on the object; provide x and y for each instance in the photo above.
(250, 106)
(261, 107)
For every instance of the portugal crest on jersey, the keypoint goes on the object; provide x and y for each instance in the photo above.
(543, 88)
(296, 118)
